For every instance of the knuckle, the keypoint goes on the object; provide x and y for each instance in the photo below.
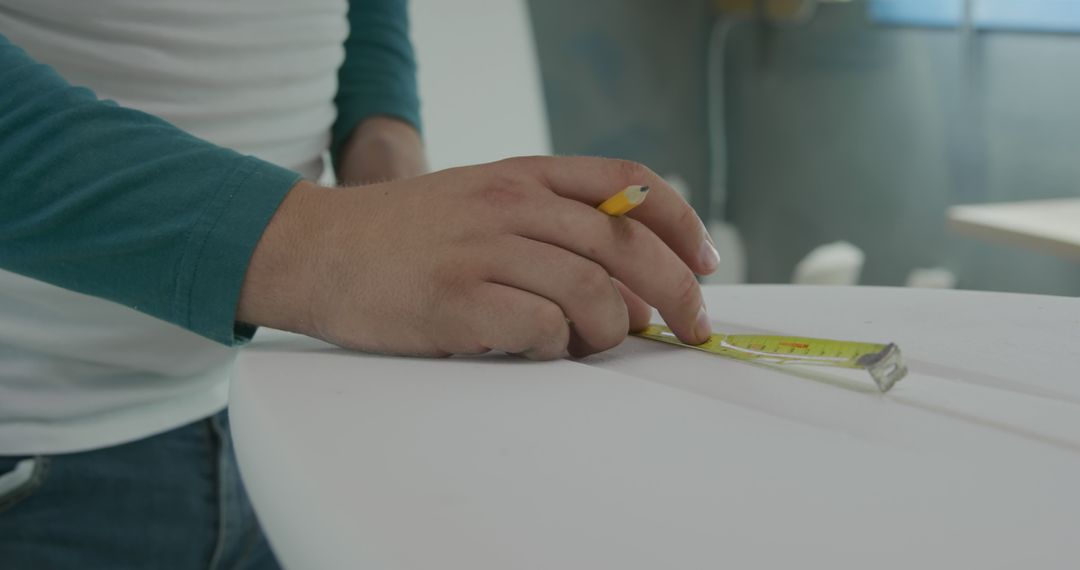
(518, 163)
(617, 325)
(543, 338)
(605, 310)
(511, 342)
(506, 163)
(548, 320)
(552, 348)
(631, 171)
(629, 230)
(688, 291)
(503, 191)
(688, 218)
(612, 336)
(511, 163)
(454, 278)
(552, 331)
(593, 282)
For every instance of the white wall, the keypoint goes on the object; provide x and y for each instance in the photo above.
(480, 90)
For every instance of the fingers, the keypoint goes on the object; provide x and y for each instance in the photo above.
(511, 320)
(593, 180)
(639, 312)
(631, 253)
(579, 286)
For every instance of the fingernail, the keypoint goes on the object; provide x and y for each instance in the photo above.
(702, 329)
(709, 258)
(705, 232)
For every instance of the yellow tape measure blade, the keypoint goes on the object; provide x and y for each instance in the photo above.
(882, 361)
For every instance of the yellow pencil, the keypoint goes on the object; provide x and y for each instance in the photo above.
(624, 201)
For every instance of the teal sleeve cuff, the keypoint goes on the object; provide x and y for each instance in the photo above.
(212, 269)
(378, 76)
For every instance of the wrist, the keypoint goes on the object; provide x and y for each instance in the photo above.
(281, 277)
(381, 149)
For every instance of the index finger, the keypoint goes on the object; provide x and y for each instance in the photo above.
(593, 180)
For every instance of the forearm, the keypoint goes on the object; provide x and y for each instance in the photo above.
(377, 80)
(118, 204)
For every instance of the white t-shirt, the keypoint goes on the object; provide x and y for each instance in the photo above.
(257, 76)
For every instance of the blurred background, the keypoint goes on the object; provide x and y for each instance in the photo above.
(789, 124)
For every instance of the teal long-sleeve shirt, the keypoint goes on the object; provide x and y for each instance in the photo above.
(119, 204)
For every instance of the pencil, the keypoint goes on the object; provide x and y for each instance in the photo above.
(624, 201)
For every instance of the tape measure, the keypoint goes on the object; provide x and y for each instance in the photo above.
(883, 361)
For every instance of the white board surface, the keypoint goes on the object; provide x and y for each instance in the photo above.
(657, 457)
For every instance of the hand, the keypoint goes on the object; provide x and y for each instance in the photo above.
(381, 149)
(509, 256)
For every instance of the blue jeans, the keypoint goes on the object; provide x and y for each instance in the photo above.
(171, 501)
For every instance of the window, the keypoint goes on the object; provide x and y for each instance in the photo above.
(1013, 15)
